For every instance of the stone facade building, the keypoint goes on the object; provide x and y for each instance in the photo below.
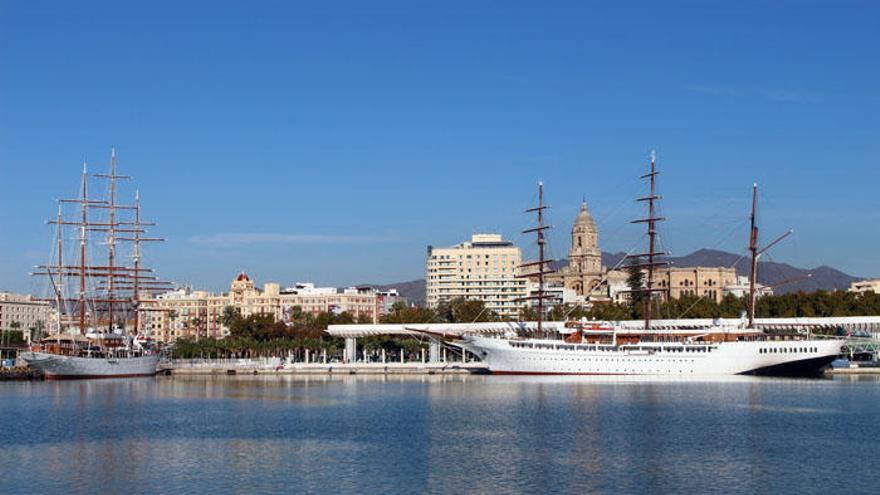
(22, 312)
(700, 281)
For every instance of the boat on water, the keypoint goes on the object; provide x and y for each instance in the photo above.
(718, 351)
(604, 348)
(58, 366)
(95, 355)
(96, 300)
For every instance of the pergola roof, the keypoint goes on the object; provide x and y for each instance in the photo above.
(862, 323)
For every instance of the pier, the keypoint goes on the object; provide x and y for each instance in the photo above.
(275, 366)
(19, 373)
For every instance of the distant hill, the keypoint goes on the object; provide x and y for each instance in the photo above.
(769, 272)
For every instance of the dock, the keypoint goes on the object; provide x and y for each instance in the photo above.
(19, 373)
(859, 370)
(275, 367)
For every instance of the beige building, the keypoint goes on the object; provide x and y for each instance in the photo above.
(871, 285)
(486, 268)
(188, 313)
(700, 281)
(23, 312)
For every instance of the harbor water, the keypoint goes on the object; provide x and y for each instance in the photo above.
(439, 434)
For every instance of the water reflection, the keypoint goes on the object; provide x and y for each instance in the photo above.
(443, 434)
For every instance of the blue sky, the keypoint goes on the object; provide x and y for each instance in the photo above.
(334, 141)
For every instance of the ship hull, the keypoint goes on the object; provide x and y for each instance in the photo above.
(768, 358)
(58, 367)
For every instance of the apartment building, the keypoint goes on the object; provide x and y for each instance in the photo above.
(486, 268)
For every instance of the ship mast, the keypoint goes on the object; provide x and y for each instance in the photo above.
(111, 229)
(542, 261)
(118, 284)
(81, 270)
(131, 279)
(652, 254)
(136, 257)
(753, 248)
(59, 283)
(756, 255)
(84, 212)
(140, 281)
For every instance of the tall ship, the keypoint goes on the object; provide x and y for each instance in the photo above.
(608, 348)
(97, 332)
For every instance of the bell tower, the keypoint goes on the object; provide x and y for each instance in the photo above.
(584, 257)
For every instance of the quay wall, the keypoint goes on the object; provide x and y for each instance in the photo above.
(278, 368)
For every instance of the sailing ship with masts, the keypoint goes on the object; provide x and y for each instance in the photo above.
(97, 333)
(606, 348)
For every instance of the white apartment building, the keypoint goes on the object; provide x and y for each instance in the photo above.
(741, 288)
(486, 268)
(361, 303)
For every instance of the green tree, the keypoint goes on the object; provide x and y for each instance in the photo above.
(461, 310)
(401, 313)
(229, 316)
(38, 331)
(635, 280)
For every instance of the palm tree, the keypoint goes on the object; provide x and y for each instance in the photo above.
(197, 324)
(7, 335)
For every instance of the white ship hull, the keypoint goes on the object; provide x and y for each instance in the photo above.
(552, 357)
(56, 366)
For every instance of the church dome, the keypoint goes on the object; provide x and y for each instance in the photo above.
(584, 221)
(242, 277)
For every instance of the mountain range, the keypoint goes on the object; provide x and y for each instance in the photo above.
(769, 273)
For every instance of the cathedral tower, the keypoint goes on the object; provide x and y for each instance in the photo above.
(584, 255)
(584, 270)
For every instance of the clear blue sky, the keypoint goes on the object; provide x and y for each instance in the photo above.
(334, 141)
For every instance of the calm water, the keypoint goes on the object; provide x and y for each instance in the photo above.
(439, 435)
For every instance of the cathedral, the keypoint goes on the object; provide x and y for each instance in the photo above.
(584, 271)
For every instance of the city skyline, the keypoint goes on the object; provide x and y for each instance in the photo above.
(311, 144)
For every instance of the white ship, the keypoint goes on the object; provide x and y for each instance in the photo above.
(664, 353)
(608, 349)
(58, 366)
(106, 293)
